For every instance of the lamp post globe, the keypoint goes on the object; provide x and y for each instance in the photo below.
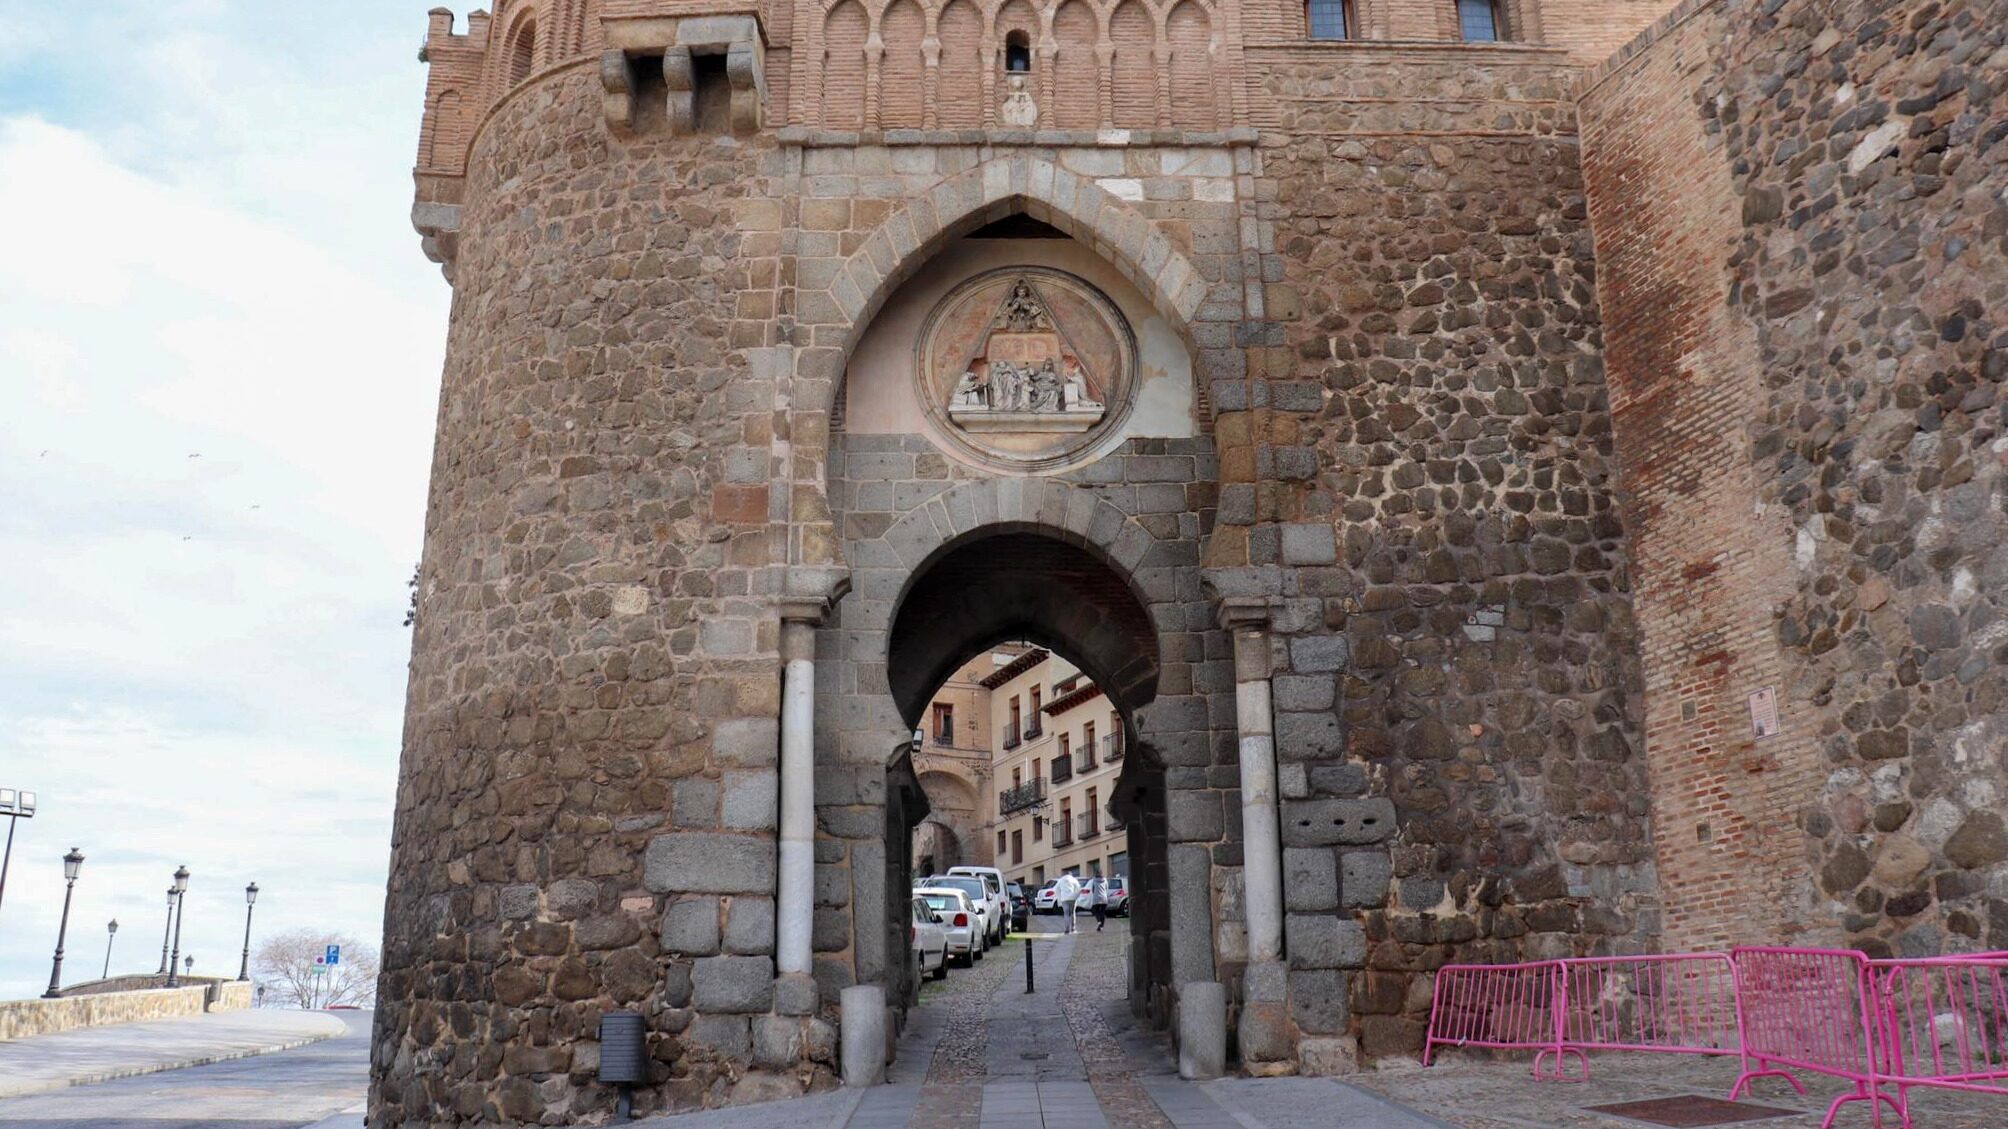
(250, 900)
(73, 864)
(181, 914)
(111, 934)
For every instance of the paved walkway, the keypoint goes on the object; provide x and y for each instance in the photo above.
(319, 1086)
(100, 1054)
(982, 1053)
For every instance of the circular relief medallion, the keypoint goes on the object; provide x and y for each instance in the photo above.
(1025, 367)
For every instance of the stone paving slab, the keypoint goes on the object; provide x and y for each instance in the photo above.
(100, 1054)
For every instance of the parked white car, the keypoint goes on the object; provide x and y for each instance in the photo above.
(997, 913)
(961, 924)
(1047, 900)
(978, 892)
(930, 941)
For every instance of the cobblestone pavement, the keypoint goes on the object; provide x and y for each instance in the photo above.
(1476, 1093)
(982, 1053)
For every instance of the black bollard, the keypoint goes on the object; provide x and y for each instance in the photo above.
(1029, 989)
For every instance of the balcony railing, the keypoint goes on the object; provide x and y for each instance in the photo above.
(1063, 834)
(1011, 739)
(1090, 825)
(1034, 731)
(1063, 768)
(1021, 797)
(1112, 748)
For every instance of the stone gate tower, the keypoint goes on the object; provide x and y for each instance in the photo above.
(1250, 354)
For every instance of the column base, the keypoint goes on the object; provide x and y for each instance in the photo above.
(861, 1021)
(1202, 1030)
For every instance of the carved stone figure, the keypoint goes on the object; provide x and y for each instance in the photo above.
(1021, 312)
(1046, 388)
(969, 392)
(1006, 387)
(1076, 398)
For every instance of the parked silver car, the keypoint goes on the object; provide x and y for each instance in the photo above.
(930, 941)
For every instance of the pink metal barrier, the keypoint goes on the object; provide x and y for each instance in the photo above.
(1812, 1010)
(1681, 1003)
(1884, 1025)
(1942, 1023)
(1500, 1006)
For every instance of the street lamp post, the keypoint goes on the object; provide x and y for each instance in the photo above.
(165, 930)
(16, 805)
(180, 905)
(250, 899)
(111, 934)
(72, 864)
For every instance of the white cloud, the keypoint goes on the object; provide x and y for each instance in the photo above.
(200, 657)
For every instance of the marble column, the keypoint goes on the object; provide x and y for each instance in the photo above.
(795, 901)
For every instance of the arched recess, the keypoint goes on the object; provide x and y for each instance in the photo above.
(1194, 100)
(959, 99)
(521, 57)
(843, 96)
(1076, 71)
(901, 69)
(1134, 84)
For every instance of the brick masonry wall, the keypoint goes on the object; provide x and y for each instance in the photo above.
(1833, 266)
(1457, 672)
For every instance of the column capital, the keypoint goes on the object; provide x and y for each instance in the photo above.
(808, 594)
(1245, 613)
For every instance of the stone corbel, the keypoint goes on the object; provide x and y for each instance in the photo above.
(679, 40)
(679, 74)
(744, 70)
(438, 227)
(617, 81)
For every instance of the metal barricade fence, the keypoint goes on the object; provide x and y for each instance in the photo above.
(1939, 1022)
(1498, 1006)
(1808, 1009)
(1680, 1003)
(1942, 1022)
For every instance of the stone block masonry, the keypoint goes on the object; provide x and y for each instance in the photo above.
(1537, 415)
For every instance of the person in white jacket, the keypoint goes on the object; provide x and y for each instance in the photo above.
(1067, 891)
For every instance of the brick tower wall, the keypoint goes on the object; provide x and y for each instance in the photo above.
(1802, 250)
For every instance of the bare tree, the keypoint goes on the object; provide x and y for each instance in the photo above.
(285, 966)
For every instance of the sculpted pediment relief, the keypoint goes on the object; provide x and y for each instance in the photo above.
(1023, 363)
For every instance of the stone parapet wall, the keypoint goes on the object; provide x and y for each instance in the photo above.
(1800, 231)
(20, 1019)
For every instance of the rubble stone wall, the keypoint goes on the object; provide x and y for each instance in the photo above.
(1801, 233)
(1457, 679)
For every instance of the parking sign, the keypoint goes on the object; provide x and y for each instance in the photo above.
(334, 954)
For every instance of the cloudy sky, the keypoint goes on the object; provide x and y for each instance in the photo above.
(219, 362)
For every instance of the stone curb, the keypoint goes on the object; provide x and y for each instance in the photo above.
(43, 1086)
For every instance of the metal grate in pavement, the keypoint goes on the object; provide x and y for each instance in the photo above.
(1692, 1111)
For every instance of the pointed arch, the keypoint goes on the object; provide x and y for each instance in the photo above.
(1004, 186)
